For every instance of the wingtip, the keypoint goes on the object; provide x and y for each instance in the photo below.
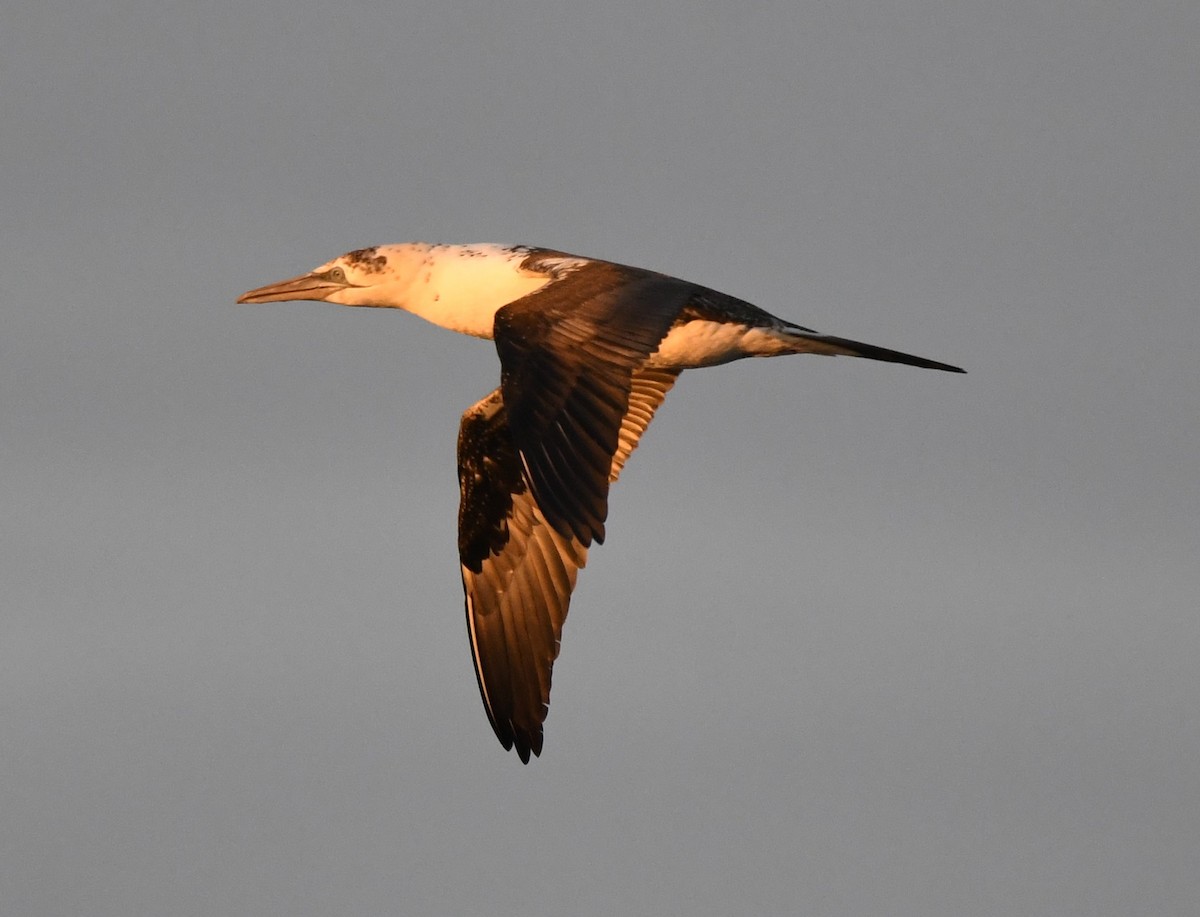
(526, 745)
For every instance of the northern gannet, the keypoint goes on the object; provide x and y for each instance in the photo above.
(588, 350)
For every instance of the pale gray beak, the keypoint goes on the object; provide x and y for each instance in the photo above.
(306, 286)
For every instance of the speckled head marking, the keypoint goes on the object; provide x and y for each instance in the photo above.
(369, 260)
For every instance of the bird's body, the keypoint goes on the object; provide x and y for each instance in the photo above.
(588, 350)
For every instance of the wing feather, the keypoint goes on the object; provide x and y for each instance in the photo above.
(568, 354)
(518, 570)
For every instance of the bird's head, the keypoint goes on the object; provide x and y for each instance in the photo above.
(375, 276)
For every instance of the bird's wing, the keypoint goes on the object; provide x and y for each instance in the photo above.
(567, 354)
(518, 571)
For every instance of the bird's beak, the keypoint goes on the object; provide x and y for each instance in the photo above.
(306, 286)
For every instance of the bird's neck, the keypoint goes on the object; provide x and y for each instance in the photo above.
(461, 287)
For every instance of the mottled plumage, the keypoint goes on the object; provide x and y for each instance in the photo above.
(588, 350)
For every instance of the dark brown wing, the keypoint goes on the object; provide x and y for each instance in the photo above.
(567, 353)
(518, 571)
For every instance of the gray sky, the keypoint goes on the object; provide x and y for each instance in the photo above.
(864, 639)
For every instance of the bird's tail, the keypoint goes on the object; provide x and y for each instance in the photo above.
(804, 341)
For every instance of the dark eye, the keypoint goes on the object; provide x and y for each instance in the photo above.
(337, 275)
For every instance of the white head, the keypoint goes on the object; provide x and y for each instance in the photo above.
(459, 287)
(378, 276)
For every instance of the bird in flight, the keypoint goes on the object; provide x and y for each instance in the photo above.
(588, 350)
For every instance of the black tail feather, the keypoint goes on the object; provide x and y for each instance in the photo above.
(822, 343)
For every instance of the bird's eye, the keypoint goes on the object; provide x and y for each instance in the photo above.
(337, 275)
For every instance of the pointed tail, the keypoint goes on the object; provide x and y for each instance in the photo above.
(811, 342)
